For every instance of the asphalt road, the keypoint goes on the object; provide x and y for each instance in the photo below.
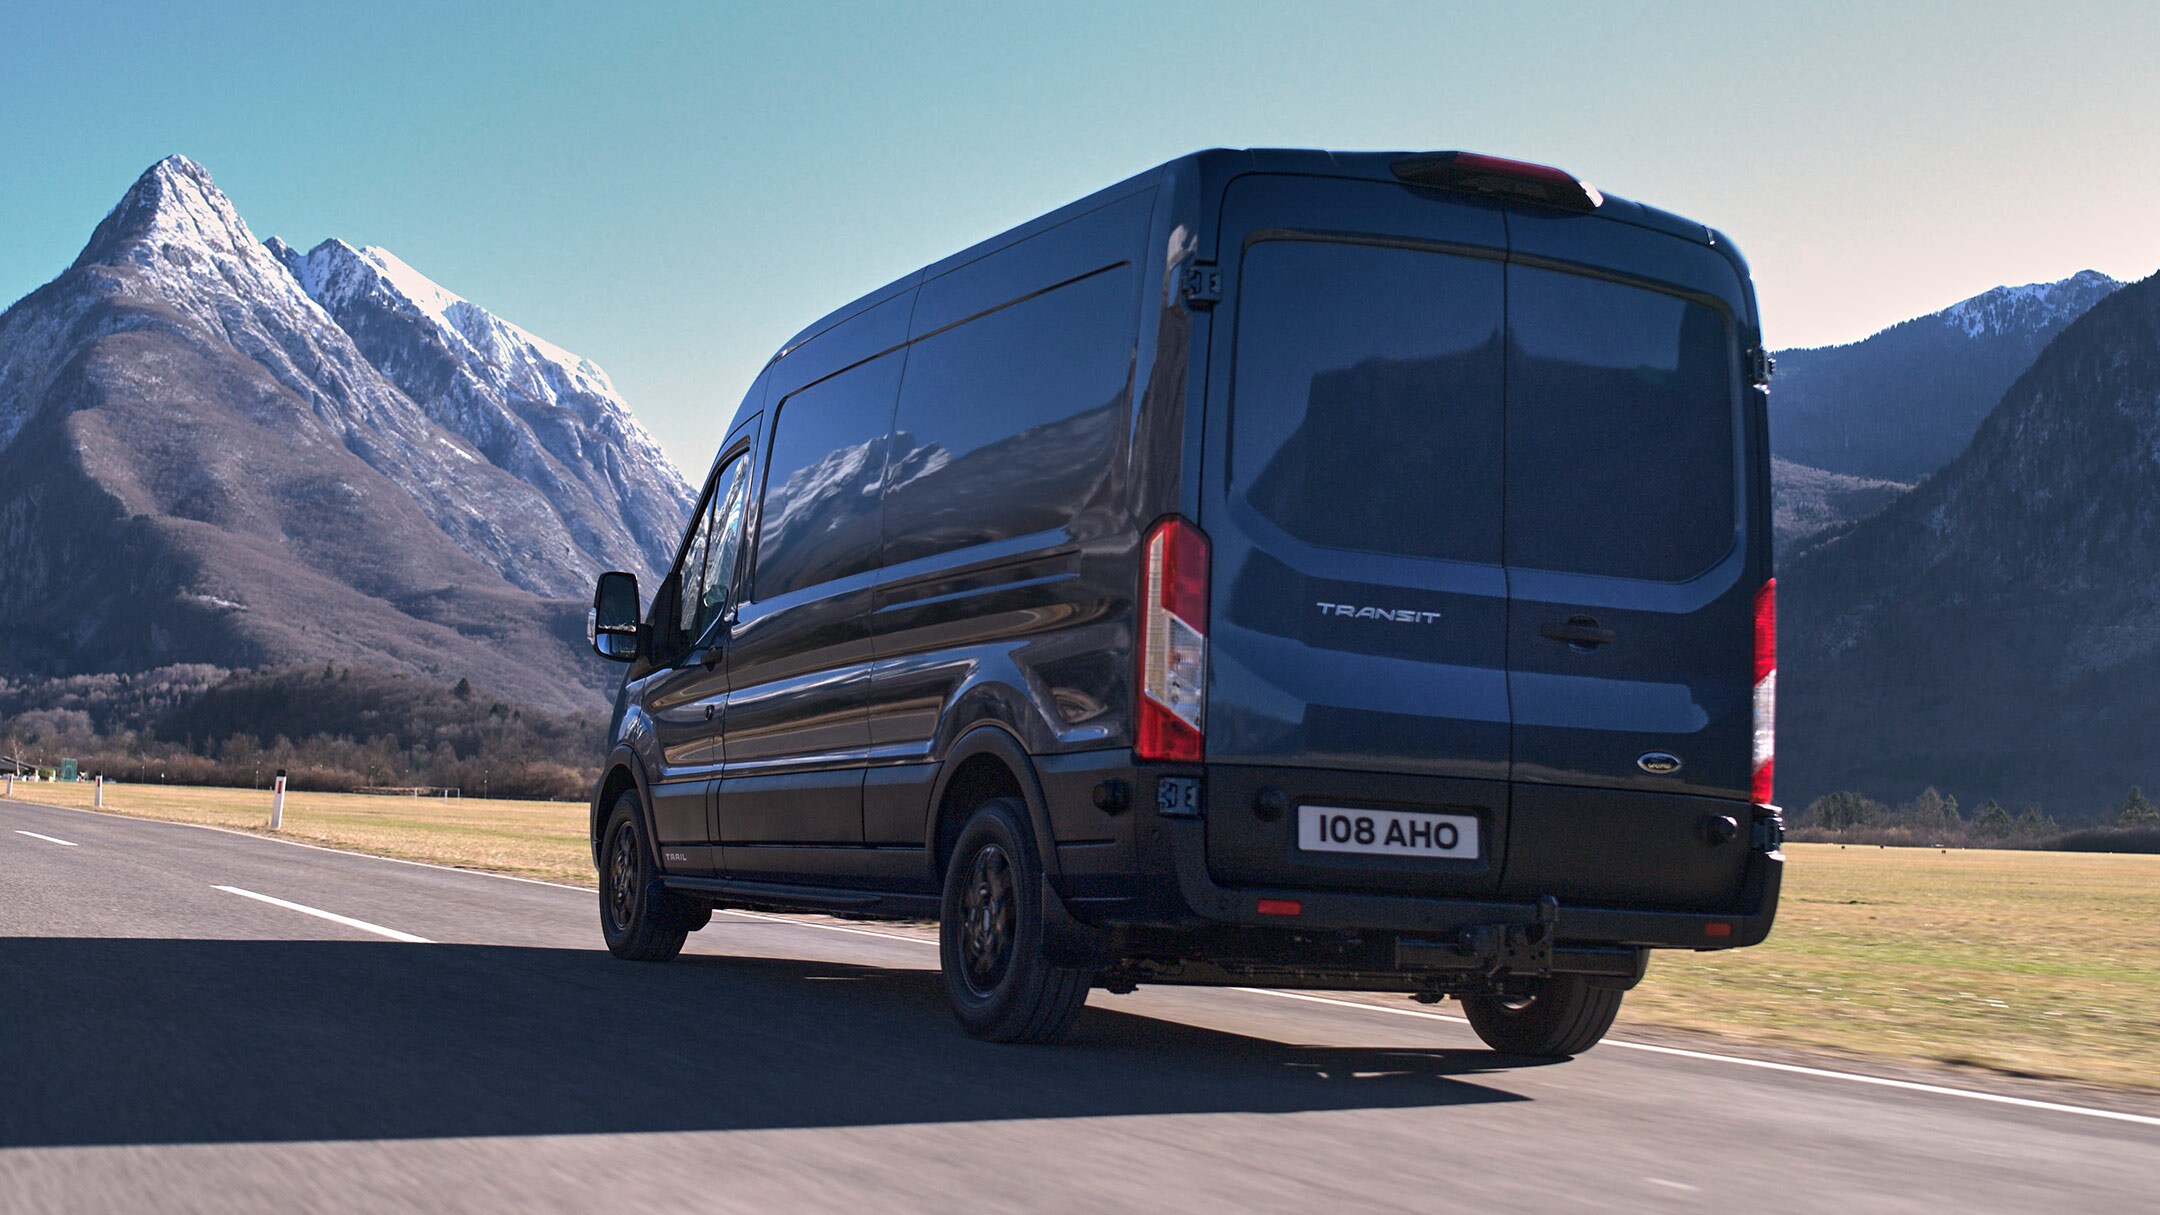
(170, 1044)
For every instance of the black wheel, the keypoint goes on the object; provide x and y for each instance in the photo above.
(990, 935)
(1561, 1015)
(640, 918)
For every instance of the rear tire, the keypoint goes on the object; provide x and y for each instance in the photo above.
(990, 935)
(641, 919)
(1563, 1015)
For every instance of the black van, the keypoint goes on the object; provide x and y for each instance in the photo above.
(1310, 569)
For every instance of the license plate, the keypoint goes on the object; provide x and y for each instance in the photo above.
(1387, 832)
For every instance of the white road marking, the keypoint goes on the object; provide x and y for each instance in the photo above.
(332, 916)
(860, 932)
(278, 839)
(48, 839)
(1764, 1064)
(1794, 1069)
(1378, 1008)
(1675, 1185)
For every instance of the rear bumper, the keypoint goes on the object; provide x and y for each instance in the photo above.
(1746, 924)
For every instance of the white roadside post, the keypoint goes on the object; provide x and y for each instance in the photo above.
(277, 801)
(97, 792)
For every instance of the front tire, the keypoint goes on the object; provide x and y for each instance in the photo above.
(1562, 1015)
(639, 917)
(990, 935)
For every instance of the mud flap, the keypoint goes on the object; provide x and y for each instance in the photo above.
(1067, 941)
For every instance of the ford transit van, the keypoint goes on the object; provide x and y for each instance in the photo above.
(1289, 568)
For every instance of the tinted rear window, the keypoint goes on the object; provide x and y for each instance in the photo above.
(1368, 397)
(1620, 431)
(820, 517)
(1007, 423)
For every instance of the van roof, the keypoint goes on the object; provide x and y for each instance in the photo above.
(1221, 164)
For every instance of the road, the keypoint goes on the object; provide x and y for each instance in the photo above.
(169, 1040)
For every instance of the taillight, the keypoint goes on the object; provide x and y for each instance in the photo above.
(1765, 691)
(1516, 179)
(1172, 711)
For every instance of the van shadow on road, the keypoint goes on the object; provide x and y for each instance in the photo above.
(115, 1041)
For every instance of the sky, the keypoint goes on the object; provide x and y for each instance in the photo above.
(674, 190)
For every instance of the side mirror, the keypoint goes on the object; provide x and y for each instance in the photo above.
(612, 625)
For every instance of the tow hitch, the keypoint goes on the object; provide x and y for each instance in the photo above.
(1494, 951)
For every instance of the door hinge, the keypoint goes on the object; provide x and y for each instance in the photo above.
(1760, 365)
(1201, 285)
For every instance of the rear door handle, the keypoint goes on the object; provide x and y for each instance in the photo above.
(1579, 630)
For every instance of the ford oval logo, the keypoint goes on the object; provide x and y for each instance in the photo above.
(1659, 763)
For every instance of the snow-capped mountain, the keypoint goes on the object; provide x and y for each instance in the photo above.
(199, 463)
(2032, 308)
(1900, 404)
(535, 410)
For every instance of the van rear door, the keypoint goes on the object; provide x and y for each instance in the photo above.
(1357, 635)
(1630, 622)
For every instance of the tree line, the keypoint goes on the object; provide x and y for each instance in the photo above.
(1934, 819)
(331, 728)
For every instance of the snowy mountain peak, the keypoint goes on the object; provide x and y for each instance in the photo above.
(291, 258)
(2031, 306)
(529, 407)
(172, 211)
(341, 278)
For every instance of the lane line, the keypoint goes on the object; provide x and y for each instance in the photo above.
(1736, 1060)
(277, 839)
(860, 932)
(1793, 1069)
(332, 916)
(48, 839)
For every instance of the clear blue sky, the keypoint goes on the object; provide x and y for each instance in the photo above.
(672, 190)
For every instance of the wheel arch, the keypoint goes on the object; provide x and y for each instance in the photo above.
(986, 761)
(622, 772)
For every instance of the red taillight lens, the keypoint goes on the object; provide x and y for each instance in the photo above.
(1171, 717)
(1765, 692)
(1513, 168)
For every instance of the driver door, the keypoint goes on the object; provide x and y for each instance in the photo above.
(686, 699)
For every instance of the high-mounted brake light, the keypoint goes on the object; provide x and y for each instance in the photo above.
(1171, 717)
(1765, 692)
(1516, 179)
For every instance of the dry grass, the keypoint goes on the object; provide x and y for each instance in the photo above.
(544, 840)
(2041, 963)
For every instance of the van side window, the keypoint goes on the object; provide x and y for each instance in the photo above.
(1622, 403)
(692, 573)
(1373, 422)
(730, 493)
(708, 562)
(1008, 422)
(821, 513)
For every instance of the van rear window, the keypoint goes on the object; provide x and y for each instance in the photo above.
(1620, 435)
(1368, 408)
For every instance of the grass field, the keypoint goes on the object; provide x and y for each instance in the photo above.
(2036, 963)
(2040, 963)
(544, 840)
